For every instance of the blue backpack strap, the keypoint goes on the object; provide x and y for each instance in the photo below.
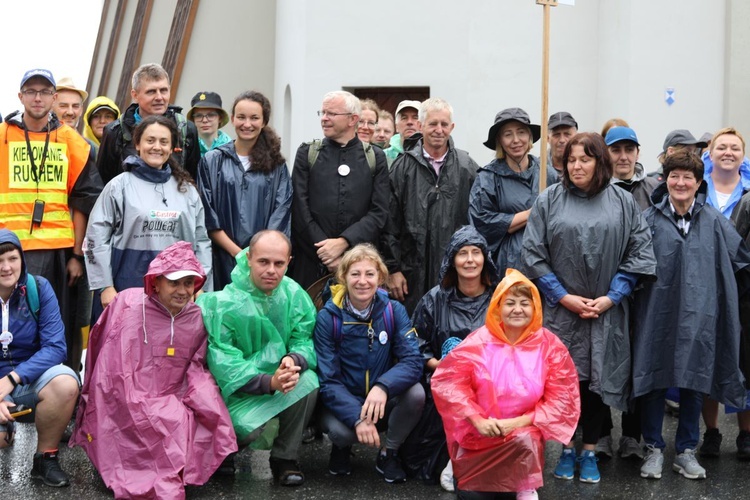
(336, 330)
(32, 295)
(388, 319)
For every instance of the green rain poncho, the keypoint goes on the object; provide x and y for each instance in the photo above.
(248, 334)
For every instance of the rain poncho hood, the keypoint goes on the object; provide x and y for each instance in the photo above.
(467, 236)
(151, 417)
(249, 332)
(691, 312)
(102, 100)
(176, 257)
(485, 376)
(494, 322)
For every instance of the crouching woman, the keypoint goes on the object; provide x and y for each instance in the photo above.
(502, 392)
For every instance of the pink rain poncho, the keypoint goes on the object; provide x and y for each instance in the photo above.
(487, 376)
(151, 417)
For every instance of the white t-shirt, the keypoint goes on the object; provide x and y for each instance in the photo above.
(722, 199)
(246, 163)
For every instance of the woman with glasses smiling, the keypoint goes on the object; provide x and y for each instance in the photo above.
(209, 116)
(368, 119)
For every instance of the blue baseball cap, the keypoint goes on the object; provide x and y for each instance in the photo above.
(617, 134)
(43, 73)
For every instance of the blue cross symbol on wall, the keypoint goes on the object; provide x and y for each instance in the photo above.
(669, 96)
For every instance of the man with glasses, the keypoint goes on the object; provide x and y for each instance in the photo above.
(209, 116)
(46, 192)
(340, 192)
(150, 92)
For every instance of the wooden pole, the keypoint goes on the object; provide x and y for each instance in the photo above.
(545, 91)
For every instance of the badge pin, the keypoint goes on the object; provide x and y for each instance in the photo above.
(6, 338)
(383, 337)
(344, 170)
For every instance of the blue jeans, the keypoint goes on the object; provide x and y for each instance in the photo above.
(688, 426)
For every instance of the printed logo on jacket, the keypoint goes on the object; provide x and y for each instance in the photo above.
(52, 175)
(159, 223)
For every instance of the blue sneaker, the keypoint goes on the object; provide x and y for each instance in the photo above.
(589, 470)
(566, 466)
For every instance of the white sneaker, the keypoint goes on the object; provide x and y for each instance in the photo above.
(527, 495)
(446, 477)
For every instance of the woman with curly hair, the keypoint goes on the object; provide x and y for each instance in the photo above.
(142, 211)
(245, 185)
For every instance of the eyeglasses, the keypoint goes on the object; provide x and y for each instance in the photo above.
(331, 114)
(365, 123)
(34, 93)
(199, 117)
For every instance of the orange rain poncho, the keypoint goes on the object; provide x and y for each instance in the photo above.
(486, 375)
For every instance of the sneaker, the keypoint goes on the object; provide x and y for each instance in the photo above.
(603, 448)
(286, 472)
(711, 446)
(686, 464)
(743, 445)
(446, 478)
(527, 495)
(566, 466)
(653, 463)
(589, 471)
(630, 448)
(340, 463)
(47, 468)
(389, 465)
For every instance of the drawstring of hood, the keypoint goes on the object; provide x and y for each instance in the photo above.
(171, 319)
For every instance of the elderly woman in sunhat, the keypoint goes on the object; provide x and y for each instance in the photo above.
(505, 189)
(209, 116)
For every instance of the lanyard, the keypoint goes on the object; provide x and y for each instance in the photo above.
(5, 336)
(34, 172)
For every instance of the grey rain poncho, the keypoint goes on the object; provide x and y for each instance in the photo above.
(585, 242)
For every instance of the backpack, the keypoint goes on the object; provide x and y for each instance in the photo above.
(316, 145)
(182, 137)
(32, 296)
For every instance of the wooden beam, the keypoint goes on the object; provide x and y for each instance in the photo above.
(114, 37)
(99, 36)
(135, 48)
(178, 40)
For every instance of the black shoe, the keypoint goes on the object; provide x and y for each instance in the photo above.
(743, 445)
(227, 468)
(309, 435)
(711, 446)
(340, 463)
(47, 468)
(389, 465)
(286, 472)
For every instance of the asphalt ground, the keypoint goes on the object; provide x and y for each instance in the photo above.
(727, 478)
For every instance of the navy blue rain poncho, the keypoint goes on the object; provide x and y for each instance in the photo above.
(687, 329)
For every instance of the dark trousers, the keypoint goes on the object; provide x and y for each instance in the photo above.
(593, 414)
(688, 424)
